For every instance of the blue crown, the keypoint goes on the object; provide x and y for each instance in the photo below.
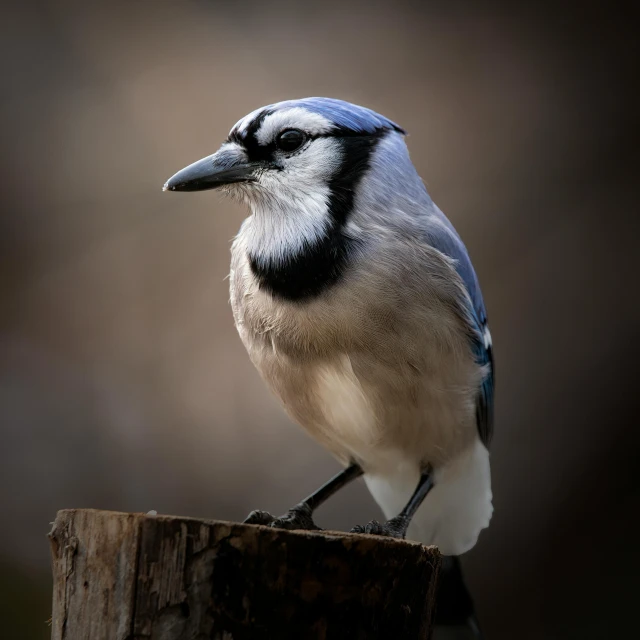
(343, 114)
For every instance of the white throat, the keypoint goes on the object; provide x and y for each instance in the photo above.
(291, 206)
(284, 224)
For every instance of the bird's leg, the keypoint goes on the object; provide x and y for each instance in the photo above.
(300, 516)
(397, 526)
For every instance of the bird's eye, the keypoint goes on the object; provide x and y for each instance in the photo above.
(290, 140)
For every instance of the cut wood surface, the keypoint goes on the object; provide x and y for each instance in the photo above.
(132, 576)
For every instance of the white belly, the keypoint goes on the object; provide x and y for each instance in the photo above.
(346, 416)
(460, 504)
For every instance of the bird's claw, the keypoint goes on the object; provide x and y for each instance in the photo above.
(394, 528)
(299, 517)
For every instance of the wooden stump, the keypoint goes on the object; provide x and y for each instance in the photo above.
(130, 576)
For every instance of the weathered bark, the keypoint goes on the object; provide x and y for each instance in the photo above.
(129, 576)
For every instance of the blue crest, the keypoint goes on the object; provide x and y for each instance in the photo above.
(343, 114)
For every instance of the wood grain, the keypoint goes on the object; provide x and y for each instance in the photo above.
(122, 576)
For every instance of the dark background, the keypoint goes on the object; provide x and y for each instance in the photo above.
(123, 384)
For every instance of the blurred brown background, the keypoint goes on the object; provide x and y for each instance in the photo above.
(123, 384)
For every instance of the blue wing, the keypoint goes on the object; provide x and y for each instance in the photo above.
(443, 237)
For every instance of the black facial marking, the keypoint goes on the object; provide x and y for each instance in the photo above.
(256, 152)
(357, 152)
(317, 266)
(309, 272)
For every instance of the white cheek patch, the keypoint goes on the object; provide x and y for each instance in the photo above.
(295, 118)
(291, 207)
(316, 163)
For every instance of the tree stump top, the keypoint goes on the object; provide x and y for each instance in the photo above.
(133, 576)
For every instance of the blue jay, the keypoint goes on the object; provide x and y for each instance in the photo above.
(358, 304)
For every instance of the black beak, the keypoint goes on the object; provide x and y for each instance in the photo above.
(209, 173)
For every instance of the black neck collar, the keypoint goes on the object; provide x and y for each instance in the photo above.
(320, 265)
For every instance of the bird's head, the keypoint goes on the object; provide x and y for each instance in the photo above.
(304, 151)
(298, 165)
(289, 148)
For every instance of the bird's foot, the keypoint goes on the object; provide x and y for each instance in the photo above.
(394, 528)
(299, 517)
